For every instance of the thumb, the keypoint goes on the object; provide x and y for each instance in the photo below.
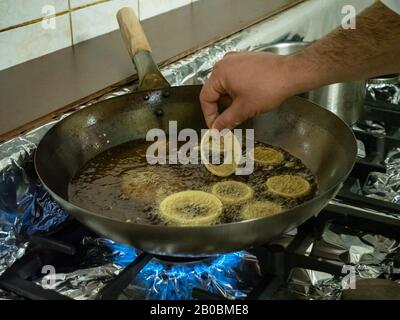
(231, 117)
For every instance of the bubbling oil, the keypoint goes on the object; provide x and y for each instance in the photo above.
(119, 183)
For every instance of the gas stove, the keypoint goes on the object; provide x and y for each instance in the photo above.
(309, 264)
(354, 240)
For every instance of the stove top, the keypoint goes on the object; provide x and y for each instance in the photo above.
(311, 263)
(353, 243)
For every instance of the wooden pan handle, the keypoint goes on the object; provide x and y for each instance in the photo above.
(132, 32)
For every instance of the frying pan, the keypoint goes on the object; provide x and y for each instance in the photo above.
(319, 138)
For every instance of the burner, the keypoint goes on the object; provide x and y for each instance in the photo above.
(373, 289)
(174, 278)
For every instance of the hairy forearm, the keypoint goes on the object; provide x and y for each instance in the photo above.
(257, 82)
(372, 49)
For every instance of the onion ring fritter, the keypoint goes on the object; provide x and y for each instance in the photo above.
(268, 156)
(288, 186)
(232, 192)
(191, 208)
(259, 209)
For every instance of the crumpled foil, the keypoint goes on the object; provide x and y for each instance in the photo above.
(83, 284)
(389, 93)
(26, 209)
(371, 127)
(370, 255)
(25, 206)
(313, 285)
(385, 186)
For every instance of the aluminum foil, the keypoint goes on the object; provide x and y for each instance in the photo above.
(371, 127)
(370, 255)
(385, 186)
(389, 93)
(312, 285)
(25, 206)
(25, 209)
(83, 284)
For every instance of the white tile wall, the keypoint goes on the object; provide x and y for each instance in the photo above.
(150, 8)
(78, 3)
(99, 19)
(13, 12)
(30, 41)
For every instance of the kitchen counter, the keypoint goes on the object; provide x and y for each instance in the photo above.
(35, 91)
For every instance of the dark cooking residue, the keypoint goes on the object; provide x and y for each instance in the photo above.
(120, 184)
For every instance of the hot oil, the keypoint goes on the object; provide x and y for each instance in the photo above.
(119, 183)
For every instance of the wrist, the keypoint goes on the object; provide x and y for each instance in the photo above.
(304, 74)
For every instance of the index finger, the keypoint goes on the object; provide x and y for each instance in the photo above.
(209, 97)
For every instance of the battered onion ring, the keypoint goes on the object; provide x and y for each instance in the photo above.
(268, 156)
(259, 209)
(224, 169)
(191, 208)
(232, 192)
(288, 186)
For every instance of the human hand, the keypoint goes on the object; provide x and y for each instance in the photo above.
(249, 83)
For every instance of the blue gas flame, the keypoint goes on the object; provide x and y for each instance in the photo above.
(164, 281)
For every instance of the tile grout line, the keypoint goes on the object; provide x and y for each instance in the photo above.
(70, 23)
(61, 13)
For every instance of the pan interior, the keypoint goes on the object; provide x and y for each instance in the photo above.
(119, 183)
